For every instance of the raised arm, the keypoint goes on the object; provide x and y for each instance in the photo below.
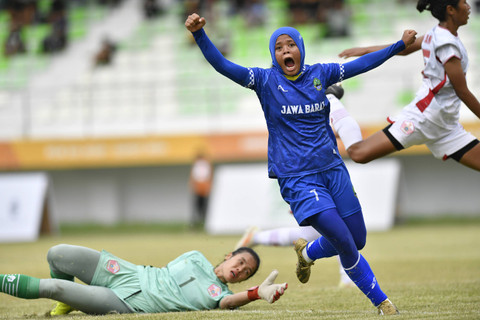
(194, 22)
(454, 70)
(239, 74)
(268, 291)
(374, 59)
(360, 51)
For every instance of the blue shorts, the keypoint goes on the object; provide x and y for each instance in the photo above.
(311, 194)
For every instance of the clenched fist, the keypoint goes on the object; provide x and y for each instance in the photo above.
(409, 37)
(194, 22)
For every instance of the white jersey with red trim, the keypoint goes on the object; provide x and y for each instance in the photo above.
(436, 98)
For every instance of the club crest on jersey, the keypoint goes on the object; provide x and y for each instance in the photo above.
(214, 290)
(407, 127)
(112, 266)
(317, 84)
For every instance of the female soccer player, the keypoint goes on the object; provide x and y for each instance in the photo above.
(189, 282)
(286, 236)
(302, 153)
(432, 118)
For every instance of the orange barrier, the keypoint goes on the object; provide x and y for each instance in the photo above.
(149, 150)
(131, 151)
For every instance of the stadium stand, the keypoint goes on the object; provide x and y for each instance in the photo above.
(158, 84)
(148, 90)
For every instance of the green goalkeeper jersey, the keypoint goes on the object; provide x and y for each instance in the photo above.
(186, 283)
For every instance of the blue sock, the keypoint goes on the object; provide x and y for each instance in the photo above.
(363, 276)
(320, 248)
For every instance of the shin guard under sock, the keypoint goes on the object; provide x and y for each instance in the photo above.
(19, 285)
(362, 275)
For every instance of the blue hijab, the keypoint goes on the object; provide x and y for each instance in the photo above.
(296, 36)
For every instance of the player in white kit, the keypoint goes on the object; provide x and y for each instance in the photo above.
(432, 118)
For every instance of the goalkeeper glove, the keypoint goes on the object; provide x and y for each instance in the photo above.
(268, 290)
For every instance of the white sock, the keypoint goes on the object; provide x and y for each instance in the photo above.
(308, 233)
(305, 255)
(284, 236)
(347, 128)
(274, 237)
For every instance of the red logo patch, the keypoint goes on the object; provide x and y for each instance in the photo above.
(214, 290)
(112, 266)
(407, 127)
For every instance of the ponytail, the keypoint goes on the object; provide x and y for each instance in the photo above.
(438, 8)
(422, 5)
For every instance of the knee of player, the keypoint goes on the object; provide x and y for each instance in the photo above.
(55, 252)
(360, 243)
(346, 246)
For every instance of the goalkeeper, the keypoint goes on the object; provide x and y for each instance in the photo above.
(188, 283)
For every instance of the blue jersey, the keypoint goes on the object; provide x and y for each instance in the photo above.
(297, 115)
(296, 111)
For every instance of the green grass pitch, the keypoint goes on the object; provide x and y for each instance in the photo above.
(429, 270)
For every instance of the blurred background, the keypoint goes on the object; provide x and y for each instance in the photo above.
(105, 105)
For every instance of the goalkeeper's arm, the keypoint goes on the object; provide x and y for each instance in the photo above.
(268, 291)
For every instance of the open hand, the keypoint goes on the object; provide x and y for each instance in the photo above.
(194, 22)
(271, 291)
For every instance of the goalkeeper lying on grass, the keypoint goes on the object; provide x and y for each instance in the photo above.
(189, 282)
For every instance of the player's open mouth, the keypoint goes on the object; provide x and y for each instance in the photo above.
(233, 274)
(289, 63)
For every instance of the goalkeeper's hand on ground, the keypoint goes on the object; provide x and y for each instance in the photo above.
(268, 290)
